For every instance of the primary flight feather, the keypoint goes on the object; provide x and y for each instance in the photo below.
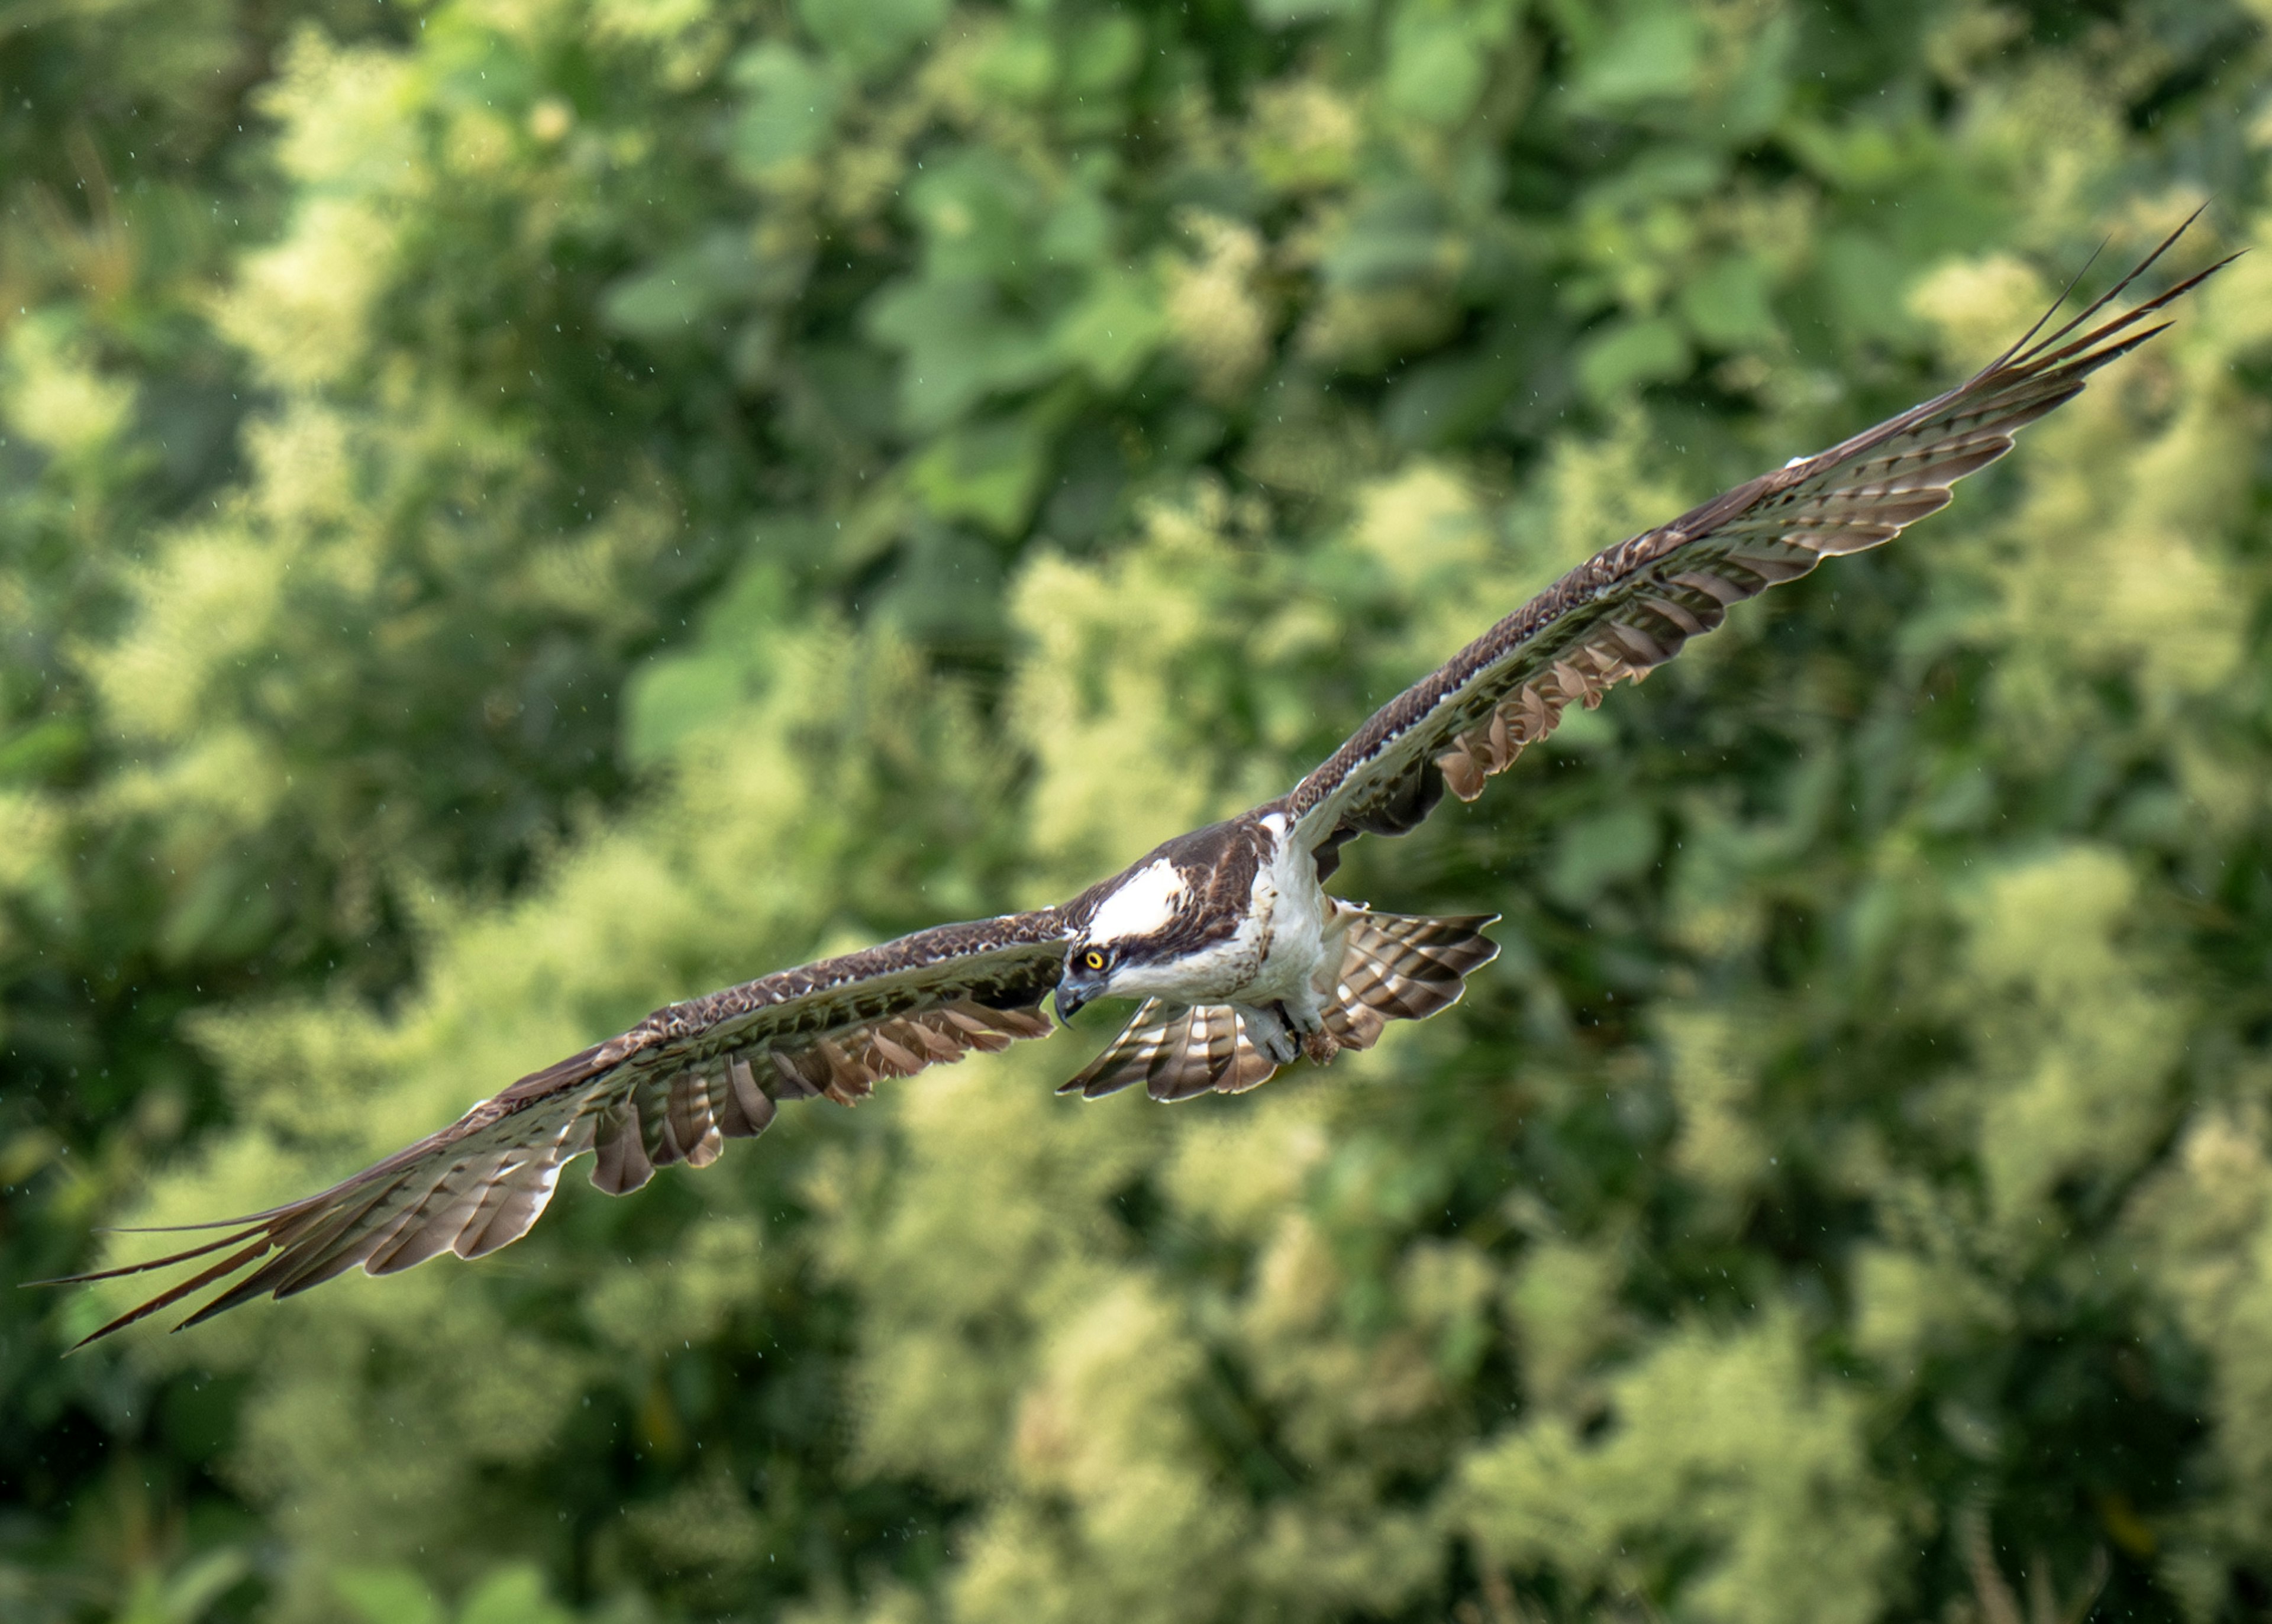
(1227, 934)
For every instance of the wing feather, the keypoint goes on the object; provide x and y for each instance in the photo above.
(1630, 609)
(671, 1089)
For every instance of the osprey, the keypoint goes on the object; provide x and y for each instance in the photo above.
(1242, 960)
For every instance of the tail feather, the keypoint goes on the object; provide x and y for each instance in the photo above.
(1402, 967)
(1177, 1053)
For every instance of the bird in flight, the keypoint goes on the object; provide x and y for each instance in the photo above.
(1241, 958)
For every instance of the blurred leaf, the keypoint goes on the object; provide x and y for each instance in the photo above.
(386, 1596)
(1439, 55)
(960, 347)
(686, 288)
(1628, 353)
(1865, 280)
(1284, 13)
(791, 108)
(672, 700)
(871, 36)
(187, 1594)
(1022, 65)
(1105, 50)
(1604, 849)
(512, 1595)
(43, 750)
(988, 472)
(1652, 52)
(977, 213)
(1114, 330)
(1726, 306)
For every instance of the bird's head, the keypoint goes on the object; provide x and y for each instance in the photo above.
(1133, 934)
(1087, 977)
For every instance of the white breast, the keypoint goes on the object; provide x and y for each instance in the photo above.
(1290, 911)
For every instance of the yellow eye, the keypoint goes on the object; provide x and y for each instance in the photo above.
(1092, 960)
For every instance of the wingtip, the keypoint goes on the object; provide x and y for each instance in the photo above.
(132, 1317)
(2033, 351)
(147, 1265)
(195, 1282)
(2065, 293)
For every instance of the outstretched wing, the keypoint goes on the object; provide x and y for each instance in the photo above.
(1631, 607)
(673, 1088)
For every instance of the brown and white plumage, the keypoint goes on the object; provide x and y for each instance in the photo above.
(1226, 934)
(673, 1088)
(1176, 1053)
(1392, 967)
(1629, 609)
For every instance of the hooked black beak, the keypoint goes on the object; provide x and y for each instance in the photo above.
(1071, 998)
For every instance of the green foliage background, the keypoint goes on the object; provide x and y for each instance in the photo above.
(514, 510)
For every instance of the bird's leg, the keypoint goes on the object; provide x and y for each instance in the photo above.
(1316, 1043)
(1269, 1030)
